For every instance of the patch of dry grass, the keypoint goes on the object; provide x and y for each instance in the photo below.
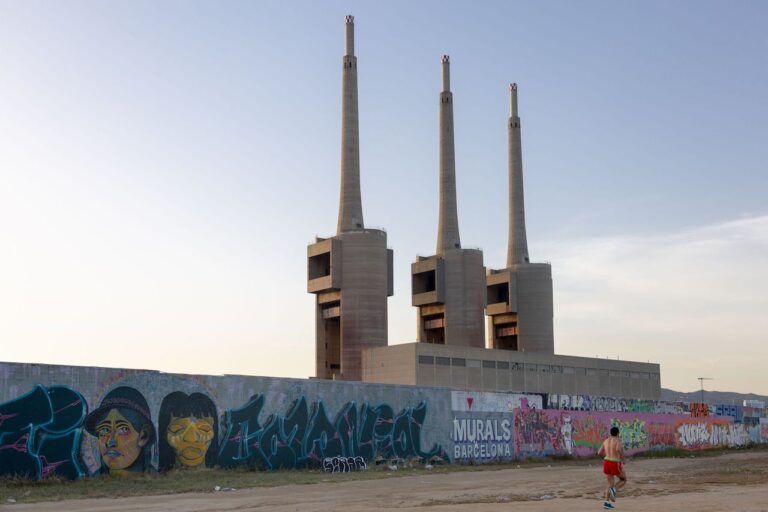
(199, 480)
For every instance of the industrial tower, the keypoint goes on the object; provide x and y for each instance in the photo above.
(449, 288)
(350, 273)
(519, 296)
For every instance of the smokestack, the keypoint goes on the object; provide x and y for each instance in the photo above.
(350, 204)
(517, 251)
(349, 35)
(448, 225)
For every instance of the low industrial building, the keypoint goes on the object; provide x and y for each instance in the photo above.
(467, 368)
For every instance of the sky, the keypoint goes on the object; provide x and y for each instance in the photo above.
(163, 166)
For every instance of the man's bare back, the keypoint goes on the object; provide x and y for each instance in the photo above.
(612, 449)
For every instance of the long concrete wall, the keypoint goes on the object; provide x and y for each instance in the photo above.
(81, 421)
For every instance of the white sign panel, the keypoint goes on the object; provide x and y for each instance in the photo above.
(486, 401)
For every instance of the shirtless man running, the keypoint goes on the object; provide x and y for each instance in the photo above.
(613, 466)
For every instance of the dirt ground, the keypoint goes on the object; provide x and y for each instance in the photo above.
(733, 482)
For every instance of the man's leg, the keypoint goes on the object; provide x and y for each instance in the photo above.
(622, 479)
(610, 480)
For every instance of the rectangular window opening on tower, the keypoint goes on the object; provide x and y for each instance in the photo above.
(320, 265)
(505, 337)
(332, 310)
(434, 329)
(498, 293)
(424, 282)
(332, 331)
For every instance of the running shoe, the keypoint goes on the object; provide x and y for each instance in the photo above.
(608, 505)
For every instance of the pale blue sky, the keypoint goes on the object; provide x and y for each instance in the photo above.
(165, 164)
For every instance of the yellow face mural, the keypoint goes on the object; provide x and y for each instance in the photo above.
(120, 444)
(190, 438)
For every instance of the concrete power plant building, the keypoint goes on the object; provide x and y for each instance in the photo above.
(449, 288)
(520, 355)
(351, 277)
(350, 273)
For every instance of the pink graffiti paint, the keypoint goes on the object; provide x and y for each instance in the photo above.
(238, 436)
(20, 445)
(4, 417)
(49, 467)
(73, 404)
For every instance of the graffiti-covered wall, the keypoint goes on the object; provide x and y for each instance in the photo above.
(76, 421)
(549, 432)
(79, 421)
(495, 427)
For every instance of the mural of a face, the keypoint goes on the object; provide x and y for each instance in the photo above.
(188, 431)
(124, 431)
(120, 444)
(190, 437)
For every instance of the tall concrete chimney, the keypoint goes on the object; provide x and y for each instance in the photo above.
(448, 224)
(350, 204)
(517, 250)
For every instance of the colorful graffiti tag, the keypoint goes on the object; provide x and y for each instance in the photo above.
(611, 404)
(40, 433)
(538, 432)
(698, 410)
(699, 434)
(632, 433)
(588, 434)
(343, 464)
(306, 436)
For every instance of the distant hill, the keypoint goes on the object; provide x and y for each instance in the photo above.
(711, 397)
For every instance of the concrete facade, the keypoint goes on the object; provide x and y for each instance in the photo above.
(469, 368)
(350, 273)
(520, 312)
(448, 288)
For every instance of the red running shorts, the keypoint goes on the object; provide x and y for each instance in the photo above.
(612, 468)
